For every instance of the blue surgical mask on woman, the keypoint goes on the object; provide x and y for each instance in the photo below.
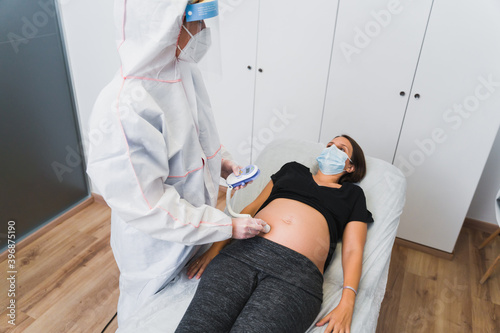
(332, 160)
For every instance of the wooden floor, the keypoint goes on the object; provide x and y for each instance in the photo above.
(429, 294)
(67, 281)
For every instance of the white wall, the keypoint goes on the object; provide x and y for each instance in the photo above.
(482, 207)
(89, 33)
(90, 42)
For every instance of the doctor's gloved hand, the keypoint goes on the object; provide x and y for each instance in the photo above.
(247, 227)
(228, 167)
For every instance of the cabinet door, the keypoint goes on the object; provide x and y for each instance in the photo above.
(294, 47)
(448, 132)
(232, 96)
(375, 52)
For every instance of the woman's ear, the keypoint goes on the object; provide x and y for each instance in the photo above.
(350, 168)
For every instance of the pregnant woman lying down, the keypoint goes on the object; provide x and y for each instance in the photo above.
(273, 282)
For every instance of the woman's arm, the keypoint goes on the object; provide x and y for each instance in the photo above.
(252, 208)
(198, 266)
(353, 243)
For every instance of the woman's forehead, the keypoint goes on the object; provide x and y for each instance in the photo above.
(342, 141)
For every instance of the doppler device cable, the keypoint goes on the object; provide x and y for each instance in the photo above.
(267, 227)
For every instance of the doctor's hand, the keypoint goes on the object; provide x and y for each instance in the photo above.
(247, 227)
(339, 320)
(228, 167)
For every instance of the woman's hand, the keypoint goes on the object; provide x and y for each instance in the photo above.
(339, 320)
(198, 266)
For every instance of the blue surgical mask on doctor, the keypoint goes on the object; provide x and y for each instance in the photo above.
(332, 160)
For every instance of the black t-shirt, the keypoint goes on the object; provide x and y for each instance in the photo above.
(339, 206)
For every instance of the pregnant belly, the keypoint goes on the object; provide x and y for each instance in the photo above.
(298, 227)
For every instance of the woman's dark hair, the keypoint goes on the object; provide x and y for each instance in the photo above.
(359, 162)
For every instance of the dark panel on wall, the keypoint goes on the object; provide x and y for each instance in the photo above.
(41, 169)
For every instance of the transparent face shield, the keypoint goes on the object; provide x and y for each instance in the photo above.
(199, 40)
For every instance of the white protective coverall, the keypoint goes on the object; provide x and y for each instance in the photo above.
(155, 154)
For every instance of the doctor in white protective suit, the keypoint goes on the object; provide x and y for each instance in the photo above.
(155, 154)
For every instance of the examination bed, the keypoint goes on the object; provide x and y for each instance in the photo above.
(384, 187)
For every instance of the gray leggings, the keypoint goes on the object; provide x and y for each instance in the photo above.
(255, 285)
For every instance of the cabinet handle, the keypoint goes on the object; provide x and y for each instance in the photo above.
(260, 70)
(417, 96)
(402, 93)
(249, 67)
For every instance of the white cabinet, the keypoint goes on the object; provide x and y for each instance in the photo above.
(313, 72)
(443, 55)
(375, 53)
(448, 132)
(287, 45)
(232, 96)
(295, 43)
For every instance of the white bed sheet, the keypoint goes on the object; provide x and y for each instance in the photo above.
(384, 187)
